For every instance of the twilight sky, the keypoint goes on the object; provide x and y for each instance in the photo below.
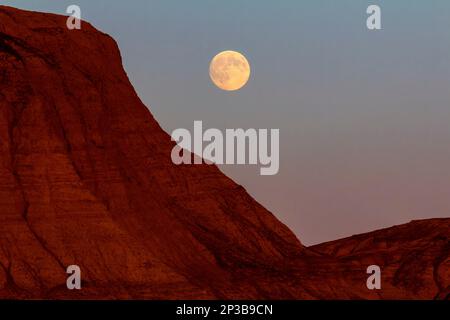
(364, 116)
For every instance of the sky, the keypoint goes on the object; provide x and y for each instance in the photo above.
(363, 115)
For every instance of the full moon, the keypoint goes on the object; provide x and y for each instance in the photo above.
(229, 70)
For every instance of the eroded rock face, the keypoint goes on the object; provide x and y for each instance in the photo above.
(86, 178)
(414, 258)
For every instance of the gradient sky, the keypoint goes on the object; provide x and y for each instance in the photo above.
(364, 116)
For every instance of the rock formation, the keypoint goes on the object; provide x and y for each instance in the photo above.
(86, 179)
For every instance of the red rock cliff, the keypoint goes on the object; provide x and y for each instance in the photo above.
(86, 178)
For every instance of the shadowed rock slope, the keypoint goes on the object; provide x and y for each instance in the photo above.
(414, 258)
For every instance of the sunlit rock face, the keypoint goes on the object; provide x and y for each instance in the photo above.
(86, 179)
